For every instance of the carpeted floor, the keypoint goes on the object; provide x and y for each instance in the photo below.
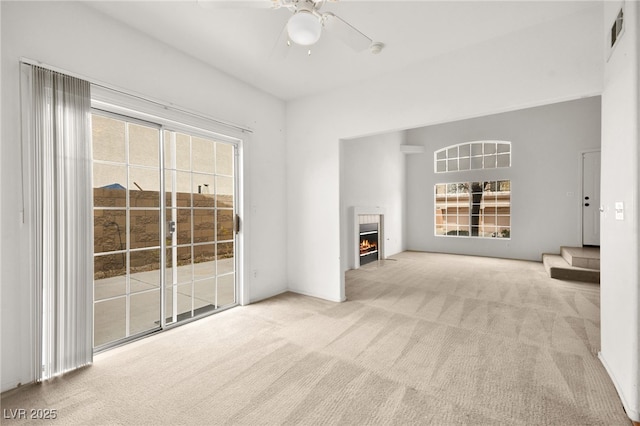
(428, 339)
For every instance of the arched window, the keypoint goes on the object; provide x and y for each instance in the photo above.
(473, 156)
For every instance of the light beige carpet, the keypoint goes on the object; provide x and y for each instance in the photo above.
(427, 339)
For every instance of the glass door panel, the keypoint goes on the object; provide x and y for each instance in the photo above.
(159, 259)
(126, 216)
(200, 212)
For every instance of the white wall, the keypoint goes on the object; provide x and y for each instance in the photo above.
(555, 61)
(546, 152)
(619, 288)
(74, 37)
(373, 174)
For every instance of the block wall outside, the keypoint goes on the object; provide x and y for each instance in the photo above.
(110, 229)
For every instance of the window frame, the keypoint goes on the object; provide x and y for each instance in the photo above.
(501, 232)
(473, 155)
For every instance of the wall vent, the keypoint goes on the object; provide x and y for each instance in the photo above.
(617, 27)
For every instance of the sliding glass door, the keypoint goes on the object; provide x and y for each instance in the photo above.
(182, 243)
(200, 254)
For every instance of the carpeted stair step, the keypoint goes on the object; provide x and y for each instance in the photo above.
(582, 257)
(558, 268)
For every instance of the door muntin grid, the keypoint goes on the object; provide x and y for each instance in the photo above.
(200, 199)
(139, 254)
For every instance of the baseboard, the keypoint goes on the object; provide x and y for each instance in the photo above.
(268, 296)
(633, 414)
(303, 293)
(318, 296)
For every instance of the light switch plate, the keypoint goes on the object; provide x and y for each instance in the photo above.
(619, 210)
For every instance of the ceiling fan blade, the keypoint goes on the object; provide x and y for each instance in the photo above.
(346, 32)
(240, 4)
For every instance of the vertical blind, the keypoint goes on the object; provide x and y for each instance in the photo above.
(61, 200)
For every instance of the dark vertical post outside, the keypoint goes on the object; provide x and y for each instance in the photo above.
(476, 198)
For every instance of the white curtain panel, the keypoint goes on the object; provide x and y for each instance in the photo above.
(59, 139)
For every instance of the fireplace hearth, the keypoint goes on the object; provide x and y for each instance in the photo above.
(368, 243)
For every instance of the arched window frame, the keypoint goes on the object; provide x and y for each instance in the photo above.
(475, 155)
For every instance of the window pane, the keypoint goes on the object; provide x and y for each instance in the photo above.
(168, 304)
(110, 185)
(490, 162)
(180, 159)
(108, 138)
(504, 221)
(184, 299)
(110, 278)
(504, 147)
(204, 293)
(489, 148)
(203, 190)
(226, 290)
(204, 225)
(109, 230)
(476, 163)
(144, 187)
(504, 232)
(465, 150)
(224, 192)
(144, 228)
(452, 152)
(477, 187)
(144, 312)
(504, 160)
(504, 185)
(170, 268)
(225, 225)
(183, 152)
(145, 269)
(183, 226)
(441, 166)
(476, 149)
(225, 258)
(203, 155)
(184, 270)
(464, 163)
(441, 155)
(224, 159)
(109, 321)
(183, 189)
(143, 145)
(204, 261)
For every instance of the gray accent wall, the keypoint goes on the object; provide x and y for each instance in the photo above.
(545, 173)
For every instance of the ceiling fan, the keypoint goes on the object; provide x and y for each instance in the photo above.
(305, 26)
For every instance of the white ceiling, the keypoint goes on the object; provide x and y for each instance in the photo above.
(241, 41)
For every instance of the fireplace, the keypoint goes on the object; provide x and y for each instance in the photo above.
(368, 243)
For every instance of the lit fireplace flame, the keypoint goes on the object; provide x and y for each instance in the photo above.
(366, 246)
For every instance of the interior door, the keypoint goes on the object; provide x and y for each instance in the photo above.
(591, 198)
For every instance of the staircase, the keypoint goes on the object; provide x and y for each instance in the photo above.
(574, 264)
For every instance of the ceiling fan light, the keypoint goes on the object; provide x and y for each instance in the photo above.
(304, 28)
